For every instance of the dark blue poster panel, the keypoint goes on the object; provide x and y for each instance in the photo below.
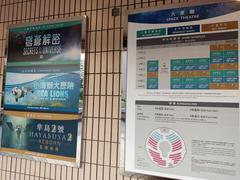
(54, 137)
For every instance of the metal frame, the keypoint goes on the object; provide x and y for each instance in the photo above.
(108, 55)
(79, 152)
(125, 37)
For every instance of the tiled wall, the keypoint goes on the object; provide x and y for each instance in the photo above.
(101, 143)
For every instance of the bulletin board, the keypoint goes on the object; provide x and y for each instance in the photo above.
(182, 107)
(43, 92)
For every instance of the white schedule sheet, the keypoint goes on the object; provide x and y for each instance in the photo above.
(182, 115)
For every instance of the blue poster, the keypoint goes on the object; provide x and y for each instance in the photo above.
(52, 138)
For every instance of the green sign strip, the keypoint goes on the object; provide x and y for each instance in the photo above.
(45, 26)
(151, 33)
(34, 63)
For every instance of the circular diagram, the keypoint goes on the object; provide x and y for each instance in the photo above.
(165, 147)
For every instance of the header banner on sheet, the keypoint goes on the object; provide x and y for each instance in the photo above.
(185, 14)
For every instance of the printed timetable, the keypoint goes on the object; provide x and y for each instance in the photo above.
(217, 69)
(182, 91)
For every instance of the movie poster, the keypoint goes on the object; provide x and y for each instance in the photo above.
(44, 87)
(46, 92)
(50, 136)
(45, 68)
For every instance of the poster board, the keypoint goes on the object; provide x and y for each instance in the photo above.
(182, 108)
(43, 99)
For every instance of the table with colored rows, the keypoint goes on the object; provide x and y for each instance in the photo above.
(218, 71)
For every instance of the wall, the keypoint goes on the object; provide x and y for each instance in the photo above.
(102, 116)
